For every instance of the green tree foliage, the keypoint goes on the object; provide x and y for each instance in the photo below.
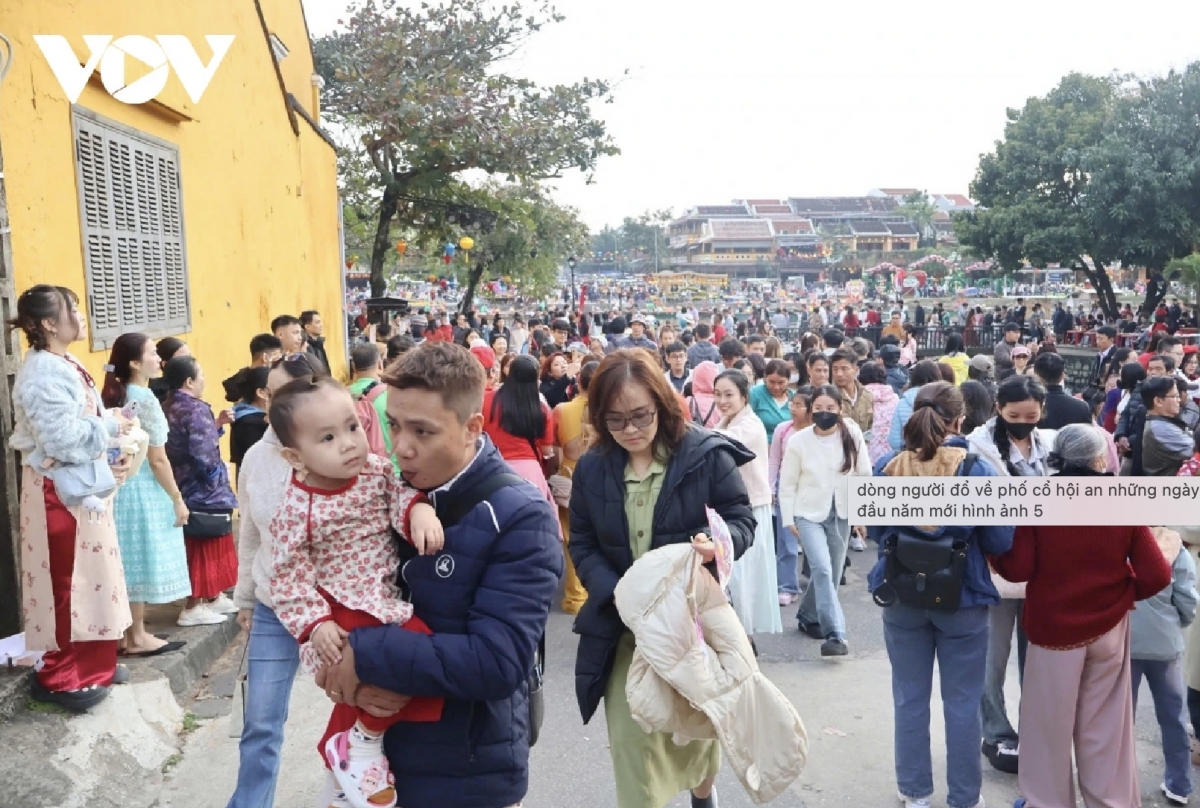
(1100, 171)
(919, 209)
(422, 95)
(531, 241)
(637, 234)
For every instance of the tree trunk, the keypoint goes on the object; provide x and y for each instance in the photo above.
(1156, 289)
(1104, 290)
(383, 242)
(473, 278)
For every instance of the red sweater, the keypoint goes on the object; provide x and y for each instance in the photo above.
(1082, 580)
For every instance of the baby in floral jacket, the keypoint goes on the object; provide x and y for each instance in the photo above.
(335, 562)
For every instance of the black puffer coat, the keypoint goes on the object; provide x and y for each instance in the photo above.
(702, 471)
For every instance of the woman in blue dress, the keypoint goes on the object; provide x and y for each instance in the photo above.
(148, 509)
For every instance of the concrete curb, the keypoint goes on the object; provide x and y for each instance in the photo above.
(183, 669)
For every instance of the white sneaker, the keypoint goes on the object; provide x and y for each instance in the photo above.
(1174, 799)
(909, 802)
(199, 615)
(222, 605)
(857, 544)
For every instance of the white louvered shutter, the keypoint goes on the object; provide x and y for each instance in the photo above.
(131, 211)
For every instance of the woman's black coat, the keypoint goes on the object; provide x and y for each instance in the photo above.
(702, 471)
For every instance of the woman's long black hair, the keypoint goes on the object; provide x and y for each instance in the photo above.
(1013, 390)
(517, 404)
(849, 446)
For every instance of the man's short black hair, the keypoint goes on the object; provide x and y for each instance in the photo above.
(283, 321)
(1167, 343)
(754, 339)
(560, 325)
(1049, 367)
(1156, 387)
(1011, 326)
(833, 338)
(306, 317)
(676, 347)
(265, 343)
(364, 356)
(731, 348)
(702, 331)
(1108, 331)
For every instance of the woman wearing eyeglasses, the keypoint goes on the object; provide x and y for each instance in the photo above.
(644, 484)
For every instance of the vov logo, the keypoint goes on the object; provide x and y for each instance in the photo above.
(159, 54)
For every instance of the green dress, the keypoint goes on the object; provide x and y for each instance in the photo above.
(650, 769)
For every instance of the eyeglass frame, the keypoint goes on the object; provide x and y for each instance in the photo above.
(626, 420)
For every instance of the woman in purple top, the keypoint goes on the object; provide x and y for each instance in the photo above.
(203, 479)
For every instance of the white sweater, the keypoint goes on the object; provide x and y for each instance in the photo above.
(811, 477)
(262, 481)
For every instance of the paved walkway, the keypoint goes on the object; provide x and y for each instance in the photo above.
(846, 706)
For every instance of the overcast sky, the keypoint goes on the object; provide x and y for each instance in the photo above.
(776, 98)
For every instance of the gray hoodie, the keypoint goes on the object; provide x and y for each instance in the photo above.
(1156, 625)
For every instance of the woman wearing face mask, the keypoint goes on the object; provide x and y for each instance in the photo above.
(787, 544)
(813, 501)
(754, 575)
(1014, 445)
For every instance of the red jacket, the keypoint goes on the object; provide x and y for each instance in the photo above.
(1082, 580)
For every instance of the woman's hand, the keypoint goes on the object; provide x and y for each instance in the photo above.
(703, 545)
(795, 530)
(120, 469)
(182, 514)
(225, 418)
(245, 619)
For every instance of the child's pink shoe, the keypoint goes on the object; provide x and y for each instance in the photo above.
(362, 771)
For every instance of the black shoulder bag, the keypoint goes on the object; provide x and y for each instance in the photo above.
(923, 571)
(454, 512)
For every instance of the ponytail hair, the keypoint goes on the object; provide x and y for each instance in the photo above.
(849, 446)
(937, 406)
(126, 349)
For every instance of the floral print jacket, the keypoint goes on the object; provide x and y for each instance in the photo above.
(195, 454)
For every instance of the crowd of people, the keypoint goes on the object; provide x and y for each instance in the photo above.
(491, 457)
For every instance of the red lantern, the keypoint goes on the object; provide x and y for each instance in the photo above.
(446, 258)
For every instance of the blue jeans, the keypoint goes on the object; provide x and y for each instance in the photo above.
(787, 557)
(274, 657)
(1165, 678)
(825, 550)
(958, 640)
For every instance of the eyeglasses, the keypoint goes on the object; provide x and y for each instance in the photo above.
(619, 423)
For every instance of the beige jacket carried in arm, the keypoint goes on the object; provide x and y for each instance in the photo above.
(704, 683)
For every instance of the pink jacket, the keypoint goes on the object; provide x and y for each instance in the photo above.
(775, 455)
(701, 401)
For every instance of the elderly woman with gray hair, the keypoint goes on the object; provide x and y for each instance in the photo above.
(1082, 583)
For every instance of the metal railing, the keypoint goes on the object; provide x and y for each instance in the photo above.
(931, 339)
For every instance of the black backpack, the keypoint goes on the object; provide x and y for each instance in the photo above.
(923, 571)
(452, 514)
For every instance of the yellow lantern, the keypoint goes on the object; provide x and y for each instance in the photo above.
(466, 243)
(401, 247)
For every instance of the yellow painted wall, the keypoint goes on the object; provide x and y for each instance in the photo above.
(259, 201)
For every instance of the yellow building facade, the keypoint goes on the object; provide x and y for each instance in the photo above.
(201, 219)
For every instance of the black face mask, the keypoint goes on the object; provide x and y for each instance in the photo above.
(825, 420)
(1018, 431)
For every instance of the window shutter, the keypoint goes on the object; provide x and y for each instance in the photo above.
(130, 203)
